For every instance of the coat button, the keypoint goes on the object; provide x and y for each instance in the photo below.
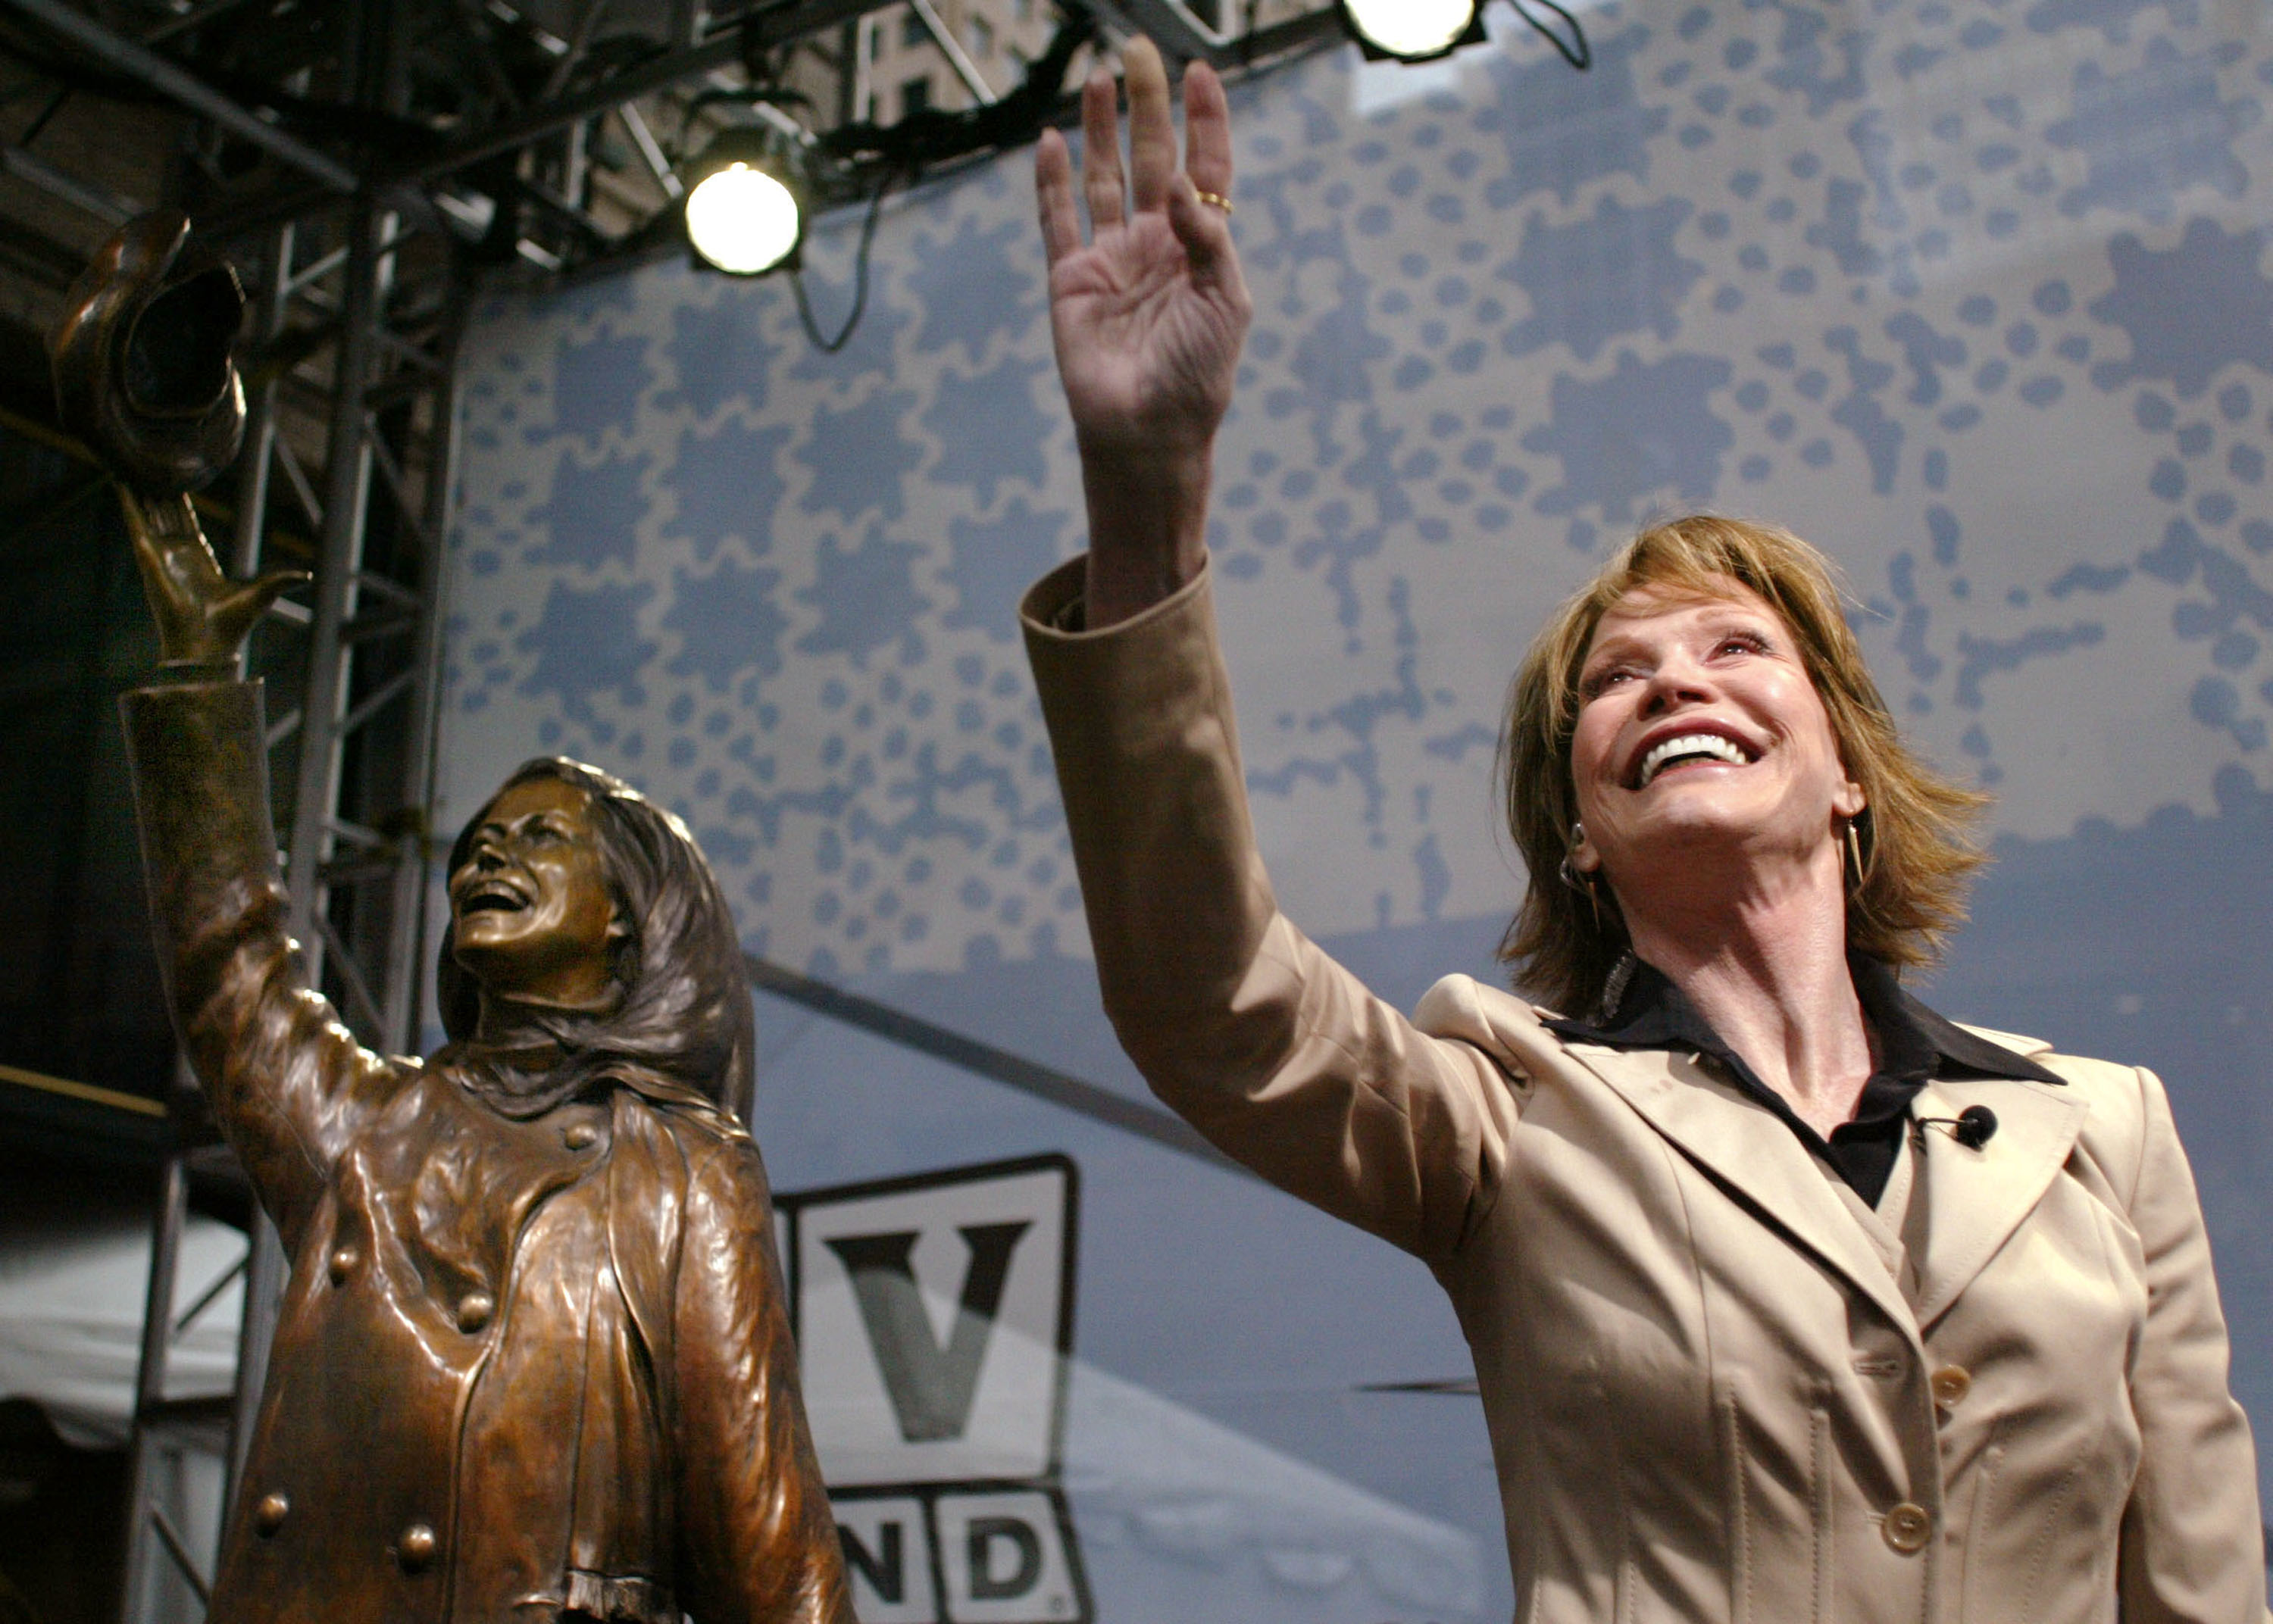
(417, 1549)
(1951, 1384)
(579, 1136)
(269, 1514)
(1908, 1527)
(341, 1263)
(475, 1309)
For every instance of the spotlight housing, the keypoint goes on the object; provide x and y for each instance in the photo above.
(1413, 30)
(747, 198)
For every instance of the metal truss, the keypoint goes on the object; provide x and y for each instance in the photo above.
(347, 470)
(175, 1470)
(352, 679)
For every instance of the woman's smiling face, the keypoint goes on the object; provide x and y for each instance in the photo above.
(1700, 732)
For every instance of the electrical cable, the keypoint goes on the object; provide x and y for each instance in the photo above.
(829, 347)
(1581, 58)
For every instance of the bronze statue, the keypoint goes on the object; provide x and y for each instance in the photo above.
(533, 1361)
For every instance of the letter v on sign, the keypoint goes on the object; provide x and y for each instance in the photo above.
(934, 1316)
(931, 1384)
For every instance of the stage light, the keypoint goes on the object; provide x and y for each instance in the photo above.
(1413, 30)
(746, 199)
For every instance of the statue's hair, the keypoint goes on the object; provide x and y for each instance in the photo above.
(1919, 850)
(684, 1012)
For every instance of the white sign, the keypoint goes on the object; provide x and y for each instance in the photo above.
(934, 1318)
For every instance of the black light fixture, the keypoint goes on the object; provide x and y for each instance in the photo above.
(747, 197)
(1413, 30)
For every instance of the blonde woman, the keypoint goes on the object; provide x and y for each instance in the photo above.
(1789, 1298)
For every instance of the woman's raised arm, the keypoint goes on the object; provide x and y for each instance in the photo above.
(1272, 1049)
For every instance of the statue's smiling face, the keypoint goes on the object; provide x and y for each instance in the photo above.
(532, 917)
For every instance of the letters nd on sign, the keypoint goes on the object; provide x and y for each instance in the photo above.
(935, 1318)
(963, 1556)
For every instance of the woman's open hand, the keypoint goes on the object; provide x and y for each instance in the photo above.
(1148, 317)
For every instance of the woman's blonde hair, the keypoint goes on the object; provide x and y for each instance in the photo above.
(1919, 852)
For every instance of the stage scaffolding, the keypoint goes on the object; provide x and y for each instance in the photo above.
(369, 176)
(353, 672)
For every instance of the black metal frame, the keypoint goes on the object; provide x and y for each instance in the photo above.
(358, 221)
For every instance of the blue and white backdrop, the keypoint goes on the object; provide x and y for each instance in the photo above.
(1979, 295)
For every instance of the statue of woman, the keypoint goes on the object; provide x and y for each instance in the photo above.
(533, 1361)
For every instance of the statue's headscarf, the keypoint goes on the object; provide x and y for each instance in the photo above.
(680, 1031)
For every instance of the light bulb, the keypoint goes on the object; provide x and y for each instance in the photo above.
(742, 220)
(1415, 29)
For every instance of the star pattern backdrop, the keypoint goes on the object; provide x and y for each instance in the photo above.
(1978, 296)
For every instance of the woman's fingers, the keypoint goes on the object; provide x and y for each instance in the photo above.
(1152, 173)
(1208, 249)
(1101, 151)
(1158, 186)
(1151, 125)
(1054, 196)
(203, 617)
(1203, 230)
(1207, 130)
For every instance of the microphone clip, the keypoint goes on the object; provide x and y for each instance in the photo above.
(1972, 1127)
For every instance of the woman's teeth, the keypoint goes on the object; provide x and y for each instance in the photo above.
(1689, 744)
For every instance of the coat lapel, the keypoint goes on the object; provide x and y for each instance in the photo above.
(1744, 1147)
(1975, 1199)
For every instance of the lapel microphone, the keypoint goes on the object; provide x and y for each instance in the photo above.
(1972, 1127)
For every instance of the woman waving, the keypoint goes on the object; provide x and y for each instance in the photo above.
(1789, 1298)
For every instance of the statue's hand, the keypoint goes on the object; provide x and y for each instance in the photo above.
(203, 615)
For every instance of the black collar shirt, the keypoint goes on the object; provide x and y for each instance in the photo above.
(1914, 1044)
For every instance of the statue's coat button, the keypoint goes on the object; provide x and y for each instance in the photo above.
(342, 1263)
(417, 1547)
(269, 1514)
(475, 1310)
(580, 1135)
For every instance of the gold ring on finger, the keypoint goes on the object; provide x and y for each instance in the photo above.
(1214, 199)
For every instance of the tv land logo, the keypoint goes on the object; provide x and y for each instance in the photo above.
(934, 1320)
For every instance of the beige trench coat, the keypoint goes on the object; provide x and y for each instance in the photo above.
(1718, 1386)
